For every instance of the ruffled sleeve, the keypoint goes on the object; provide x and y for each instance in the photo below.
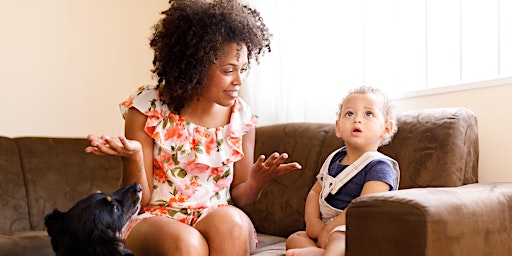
(147, 100)
(242, 121)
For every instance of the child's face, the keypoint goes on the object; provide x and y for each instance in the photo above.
(362, 123)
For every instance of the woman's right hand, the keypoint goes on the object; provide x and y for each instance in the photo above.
(120, 146)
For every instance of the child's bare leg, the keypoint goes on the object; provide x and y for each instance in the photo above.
(335, 244)
(299, 239)
(299, 244)
(307, 251)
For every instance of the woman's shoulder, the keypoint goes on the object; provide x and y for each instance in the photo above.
(145, 99)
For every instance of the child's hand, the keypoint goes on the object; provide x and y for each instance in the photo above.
(119, 146)
(314, 227)
(322, 238)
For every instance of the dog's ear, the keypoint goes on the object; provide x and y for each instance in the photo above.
(54, 222)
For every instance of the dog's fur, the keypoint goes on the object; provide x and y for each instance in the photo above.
(93, 225)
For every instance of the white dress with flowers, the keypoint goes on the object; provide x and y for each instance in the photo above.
(192, 164)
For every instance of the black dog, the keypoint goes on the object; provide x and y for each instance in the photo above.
(94, 224)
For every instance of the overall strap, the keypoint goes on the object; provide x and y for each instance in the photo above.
(350, 171)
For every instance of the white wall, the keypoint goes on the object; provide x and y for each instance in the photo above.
(65, 65)
(492, 106)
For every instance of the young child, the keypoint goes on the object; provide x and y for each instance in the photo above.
(365, 122)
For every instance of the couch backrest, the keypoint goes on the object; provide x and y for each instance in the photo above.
(434, 147)
(58, 173)
(280, 207)
(14, 215)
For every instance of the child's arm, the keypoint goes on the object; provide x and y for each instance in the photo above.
(369, 187)
(314, 223)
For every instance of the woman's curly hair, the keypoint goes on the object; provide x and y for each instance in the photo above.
(190, 37)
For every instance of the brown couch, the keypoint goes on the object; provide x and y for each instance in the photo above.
(436, 148)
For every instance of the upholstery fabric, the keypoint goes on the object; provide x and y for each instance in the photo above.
(14, 215)
(434, 147)
(280, 208)
(474, 219)
(58, 173)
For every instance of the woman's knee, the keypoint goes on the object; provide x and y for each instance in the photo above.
(228, 224)
(162, 236)
(228, 220)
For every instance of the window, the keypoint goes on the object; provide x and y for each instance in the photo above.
(327, 46)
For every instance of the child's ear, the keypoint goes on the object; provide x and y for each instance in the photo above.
(337, 129)
(388, 128)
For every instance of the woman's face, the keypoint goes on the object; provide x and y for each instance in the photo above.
(224, 78)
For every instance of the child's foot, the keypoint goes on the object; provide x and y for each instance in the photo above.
(307, 251)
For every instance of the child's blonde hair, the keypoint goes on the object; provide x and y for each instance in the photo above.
(388, 108)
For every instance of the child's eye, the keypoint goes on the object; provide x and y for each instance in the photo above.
(349, 114)
(369, 114)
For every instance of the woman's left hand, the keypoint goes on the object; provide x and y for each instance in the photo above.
(264, 170)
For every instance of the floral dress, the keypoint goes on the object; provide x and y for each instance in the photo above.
(192, 164)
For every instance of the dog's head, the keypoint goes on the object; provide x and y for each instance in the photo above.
(93, 225)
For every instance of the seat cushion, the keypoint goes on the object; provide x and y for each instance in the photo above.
(26, 243)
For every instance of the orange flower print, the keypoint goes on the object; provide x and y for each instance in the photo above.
(156, 210)
(159, 171)
(186, 189)
(175, 200)
(196, 168)
(174, 133)
(194, 182)
(214, 172)
(128, 103)
(236, 142)
(222, 184)
(236, 107)
(237, 154)
(210, 145)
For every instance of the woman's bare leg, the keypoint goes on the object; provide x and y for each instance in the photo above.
(161, 236)
(228, 231)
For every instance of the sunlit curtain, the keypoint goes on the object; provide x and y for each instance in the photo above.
(323, 48)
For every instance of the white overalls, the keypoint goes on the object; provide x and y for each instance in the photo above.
(331, 185)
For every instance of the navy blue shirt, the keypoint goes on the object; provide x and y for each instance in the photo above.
(378, 169)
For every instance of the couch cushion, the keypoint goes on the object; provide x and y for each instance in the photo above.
(58, 173)
(14, 215)
(270, 246)
(26, 243)
(436, 148)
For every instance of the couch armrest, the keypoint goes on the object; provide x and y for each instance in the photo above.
(474, 219)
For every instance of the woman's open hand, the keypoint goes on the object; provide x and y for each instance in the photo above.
(264, 170)
(120, 146)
